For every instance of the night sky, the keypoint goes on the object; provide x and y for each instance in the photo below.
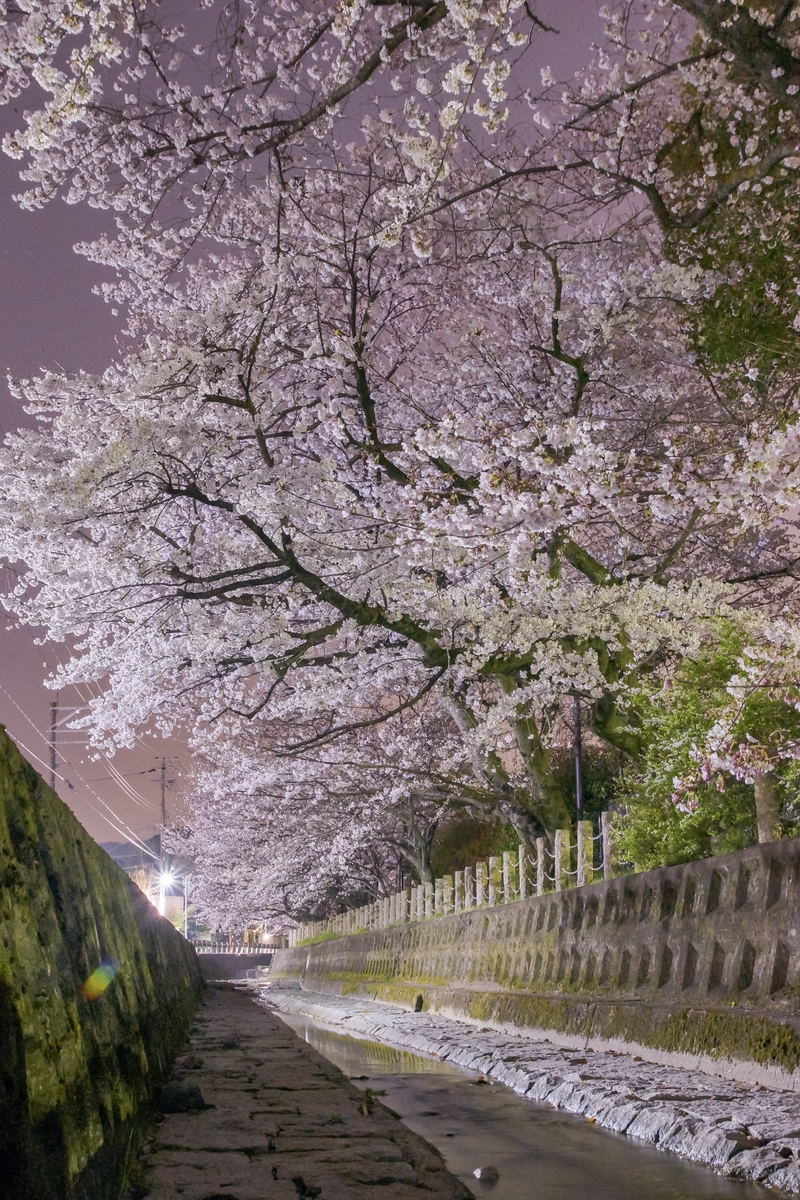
(49, 317)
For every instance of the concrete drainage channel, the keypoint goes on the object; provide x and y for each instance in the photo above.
(744, 1132)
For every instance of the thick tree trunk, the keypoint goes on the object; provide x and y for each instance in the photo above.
(767, 807)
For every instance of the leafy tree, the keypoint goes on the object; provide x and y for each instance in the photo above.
(719, 770)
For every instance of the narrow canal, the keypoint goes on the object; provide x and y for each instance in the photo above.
(540, 1153)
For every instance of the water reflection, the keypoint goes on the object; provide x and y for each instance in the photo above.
(542, 1154)
(357, 1056)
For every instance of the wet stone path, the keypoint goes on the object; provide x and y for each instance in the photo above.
(254, 1113)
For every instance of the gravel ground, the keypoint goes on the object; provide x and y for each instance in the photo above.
(742, 1131)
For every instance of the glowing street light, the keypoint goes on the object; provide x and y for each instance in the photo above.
(165, 880)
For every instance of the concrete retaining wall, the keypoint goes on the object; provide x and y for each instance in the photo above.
(701, 959)
(232, 966)
(75, 1072)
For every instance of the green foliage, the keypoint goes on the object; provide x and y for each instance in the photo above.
(601, 768)
(464, 841)
(671, 813)
(751, 241)
(654, 832)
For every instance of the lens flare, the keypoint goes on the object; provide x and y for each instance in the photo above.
(99, 980)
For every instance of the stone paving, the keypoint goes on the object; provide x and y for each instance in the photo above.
(254, 1113)
(744, 1131)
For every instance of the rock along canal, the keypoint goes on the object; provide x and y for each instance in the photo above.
(540, 1153)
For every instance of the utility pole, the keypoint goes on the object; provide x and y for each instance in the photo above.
(53, 729)
(577, 747)
(162, 865)
(163, 798)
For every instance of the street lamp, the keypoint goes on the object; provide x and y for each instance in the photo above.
(165, 880)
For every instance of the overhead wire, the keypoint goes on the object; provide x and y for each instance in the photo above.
(130, 835)
(118, 777)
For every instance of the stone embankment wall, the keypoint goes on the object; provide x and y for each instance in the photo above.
(75, 1072)
(701, 959)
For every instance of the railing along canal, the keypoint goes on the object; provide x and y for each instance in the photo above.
(500, 880)
(225, 947)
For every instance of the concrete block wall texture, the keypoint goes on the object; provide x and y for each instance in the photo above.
(700, 959)
(75, 1072)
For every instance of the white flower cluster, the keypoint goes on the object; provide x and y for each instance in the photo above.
(416, 432)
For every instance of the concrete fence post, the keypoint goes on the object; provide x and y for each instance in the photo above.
(522, 872)
(480, 884)
(541, 866)
(495, 881)
(585, 853)
(421, 902)
(469, 888)
(428, 899)
(458, 892)
(437, 898)
(561, 859)
(447, 895)
(405, 916)
(511, 889)
(610, 856)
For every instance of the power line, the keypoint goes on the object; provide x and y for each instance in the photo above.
(130, 836)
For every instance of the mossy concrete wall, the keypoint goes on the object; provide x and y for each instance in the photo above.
(698, 960)
(75, 1073)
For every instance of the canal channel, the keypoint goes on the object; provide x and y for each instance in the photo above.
(540, 1153)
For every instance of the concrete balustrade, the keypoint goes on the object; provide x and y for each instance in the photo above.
(502, 880)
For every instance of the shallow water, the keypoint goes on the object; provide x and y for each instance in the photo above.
(541, 1153)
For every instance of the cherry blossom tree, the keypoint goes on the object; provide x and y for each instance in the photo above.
(482, 474)
(310, 832)
(431, 415)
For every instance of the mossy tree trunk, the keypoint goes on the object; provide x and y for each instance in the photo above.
(767, 807)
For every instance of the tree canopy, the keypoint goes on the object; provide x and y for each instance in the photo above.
(452, 390)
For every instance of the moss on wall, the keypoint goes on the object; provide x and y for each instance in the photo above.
(75, 1072)
(700, 958)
